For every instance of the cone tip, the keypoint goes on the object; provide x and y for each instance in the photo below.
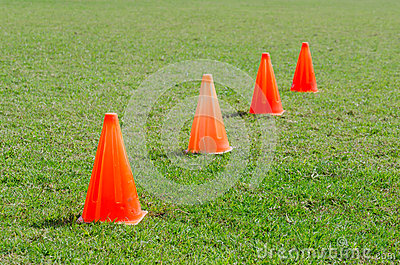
(304, 44)
(111, 116)
(207, 78)
(265, 55)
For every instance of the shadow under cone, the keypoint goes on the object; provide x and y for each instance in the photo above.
(112, 194)
(266, 97)
(304, 76)
(208, 133)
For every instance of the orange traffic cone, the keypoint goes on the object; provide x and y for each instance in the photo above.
(112, 194)
(208, 133)
(304, 77)
(266, 97)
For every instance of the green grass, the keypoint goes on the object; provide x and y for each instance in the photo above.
(335, 172)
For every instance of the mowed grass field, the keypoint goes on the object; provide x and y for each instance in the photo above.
(334, 180)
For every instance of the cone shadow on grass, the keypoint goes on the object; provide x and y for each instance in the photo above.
(57, 222)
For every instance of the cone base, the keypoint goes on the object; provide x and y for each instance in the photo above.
(135, 222)
(274, 114)
(215, 153)
(278, 114)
